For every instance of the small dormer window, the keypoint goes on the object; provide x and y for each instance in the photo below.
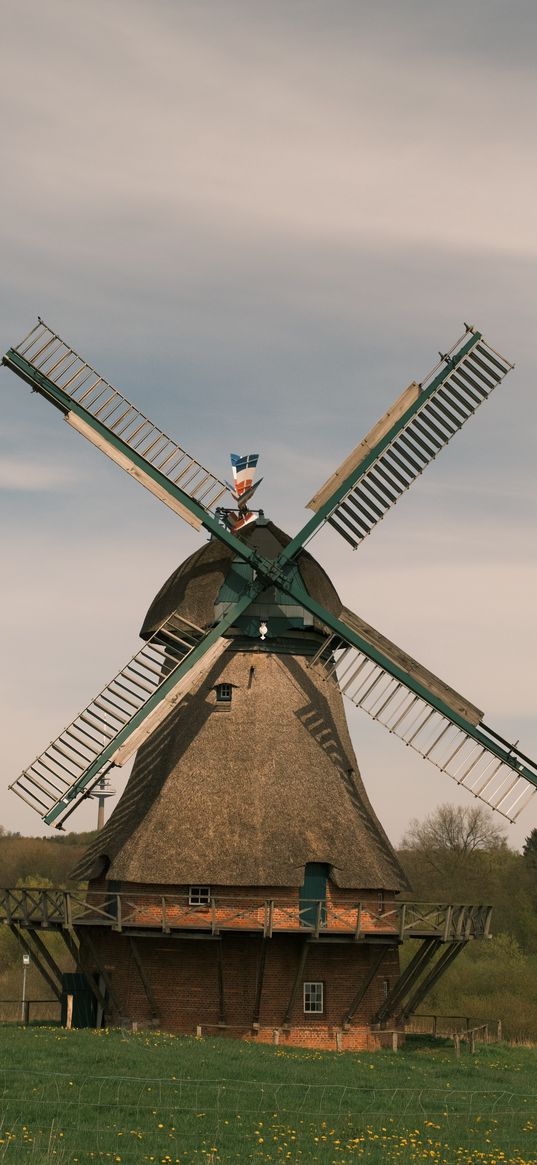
(224, 693)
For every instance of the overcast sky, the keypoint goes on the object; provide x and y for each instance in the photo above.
(261, 220)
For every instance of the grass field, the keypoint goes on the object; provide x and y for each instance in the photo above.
(89, 1096)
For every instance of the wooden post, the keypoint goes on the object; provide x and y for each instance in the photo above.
(165, 927)
(67, 910)
(395, 1041)
(457, 1045)
(472, 1041)
(144, 980)
(69, 1015)
(360, 994)
(118, 924)
(259, 983)
(296, 984)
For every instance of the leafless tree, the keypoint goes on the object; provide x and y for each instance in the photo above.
(454, 830)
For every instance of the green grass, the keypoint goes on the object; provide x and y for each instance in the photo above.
(100, 1096)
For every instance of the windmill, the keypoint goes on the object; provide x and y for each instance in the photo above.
(266, 594)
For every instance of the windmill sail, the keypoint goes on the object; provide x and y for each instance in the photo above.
(122, 716)
(106, 418)
(410, 435)
(442, 726)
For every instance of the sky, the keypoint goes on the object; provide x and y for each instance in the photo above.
(261, 221)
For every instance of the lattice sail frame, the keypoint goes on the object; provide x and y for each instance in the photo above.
(53, 358)
(76, 760)
(384, 466)
(438, 738)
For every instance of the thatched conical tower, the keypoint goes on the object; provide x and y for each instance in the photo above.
(245, 822)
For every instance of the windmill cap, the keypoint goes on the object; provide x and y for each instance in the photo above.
(192, 590)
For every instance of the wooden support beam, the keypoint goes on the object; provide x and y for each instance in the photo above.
(46, 955)
(73, 946)
(294, 990)
(259, 981)
(36, 958)
(105, 976)
(221, 998)
(440, 967)
(406, 981)
(144, 979)
(360, 994)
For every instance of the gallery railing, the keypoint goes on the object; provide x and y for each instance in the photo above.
(55, 909)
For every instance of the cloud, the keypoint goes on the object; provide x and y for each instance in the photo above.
(343, 138)
(33, 476)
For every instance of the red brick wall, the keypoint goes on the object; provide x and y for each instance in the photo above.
(183, 974)
(142, 905)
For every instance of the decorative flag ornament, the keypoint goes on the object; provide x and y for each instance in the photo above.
(244, 466)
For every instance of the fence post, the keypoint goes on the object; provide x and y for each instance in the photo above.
(472, 1041)
(457, 1043)
(499, 1031)
(69, 1013)
(395, 1041)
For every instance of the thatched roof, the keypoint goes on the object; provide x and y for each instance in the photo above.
(245, 795)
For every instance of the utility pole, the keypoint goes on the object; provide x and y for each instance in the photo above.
(100, 793)
(25, 965)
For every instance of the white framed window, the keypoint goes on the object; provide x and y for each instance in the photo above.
(385, 988)
(199, 895)
(380, 901)
(224, 693)
(313, 998)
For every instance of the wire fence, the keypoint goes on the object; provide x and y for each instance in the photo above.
(28, 1011)
(70, 1118)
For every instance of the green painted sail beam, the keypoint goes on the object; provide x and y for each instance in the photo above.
(505, 753)
(356, 474)
(92, 774)
(66, 405)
